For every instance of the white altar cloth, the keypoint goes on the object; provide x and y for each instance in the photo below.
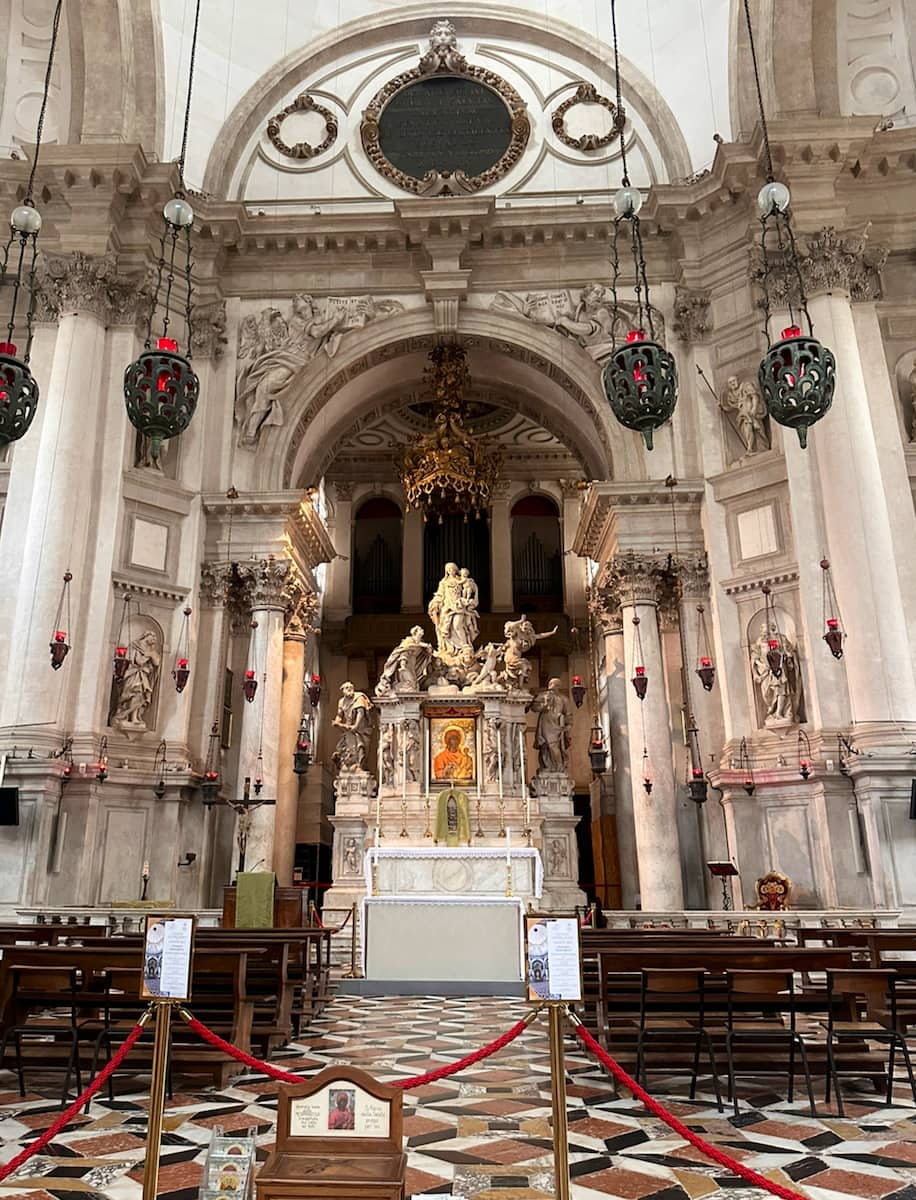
(462, 871)
(471, 939)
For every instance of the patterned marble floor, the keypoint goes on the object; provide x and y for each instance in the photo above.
(483, 1134)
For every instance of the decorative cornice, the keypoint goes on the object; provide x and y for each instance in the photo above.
(739, 587)
(155, 591)
(691, 315)
(86, 283)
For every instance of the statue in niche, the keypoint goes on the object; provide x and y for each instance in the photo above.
(134, 696)
(744, 403)
(453, 610)
(273, 348)
(407, 665)
(354, 719)
(552, 736)
(452, 822)
(780, 693)
(386, 756)
(490, 751)
(412, 749)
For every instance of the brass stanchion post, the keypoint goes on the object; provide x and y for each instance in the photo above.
(558, 1100)
(157, 1098)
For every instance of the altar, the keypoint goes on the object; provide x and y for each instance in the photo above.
(434, 871)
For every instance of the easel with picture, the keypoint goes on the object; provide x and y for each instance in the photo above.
(339, 1137)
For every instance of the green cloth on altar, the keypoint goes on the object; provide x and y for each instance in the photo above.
(452, 823)
(254, 899)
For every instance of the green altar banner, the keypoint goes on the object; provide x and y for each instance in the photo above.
(254, 899)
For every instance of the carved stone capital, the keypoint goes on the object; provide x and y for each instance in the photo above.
(270, 584)
(693, 575)
(215, 579)
(300, 615)
(691, 315)
(605, 610)
(634, 578)
(829, 262)
(86, 283)
(208, 324)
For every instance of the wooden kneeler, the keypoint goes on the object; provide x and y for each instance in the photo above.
(339, 1137)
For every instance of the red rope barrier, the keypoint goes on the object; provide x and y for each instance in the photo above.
(679, 1127)
(265, 1068)
(66, 1117)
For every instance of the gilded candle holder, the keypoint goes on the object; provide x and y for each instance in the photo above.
(479, 832)
(508, 879)
(502, 817)
(403, 832)
(427, 832)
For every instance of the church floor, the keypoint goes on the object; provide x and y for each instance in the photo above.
(484, 1133)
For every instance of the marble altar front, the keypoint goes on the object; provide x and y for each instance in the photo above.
(434, 871)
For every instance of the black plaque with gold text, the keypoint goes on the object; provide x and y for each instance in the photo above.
(445, 124)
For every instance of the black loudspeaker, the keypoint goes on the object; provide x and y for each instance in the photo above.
(9, 806)
(913, 800)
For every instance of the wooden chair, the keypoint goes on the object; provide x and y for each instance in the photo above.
(46, 1016)
(672, 1009)
(871, 992)
(756, 1001)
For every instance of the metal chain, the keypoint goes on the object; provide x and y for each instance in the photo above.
(160, 265)
(169, 280)
(55, 26)
(763, 118)
(621, 115)
(189, 303)
(187, 108)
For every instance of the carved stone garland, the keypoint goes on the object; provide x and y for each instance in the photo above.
(587, 93)
(305, 104)
(443, 58)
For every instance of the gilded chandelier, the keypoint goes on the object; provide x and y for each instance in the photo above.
(449, 470)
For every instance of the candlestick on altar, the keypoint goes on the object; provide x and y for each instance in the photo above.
(479, 832)
(403, 767)
(521, 754)
(427, 832)
(499, 758)
(375, 843)
(403, 832)
(378, 814)
(508, 863)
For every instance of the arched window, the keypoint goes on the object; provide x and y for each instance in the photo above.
(376, 566)
(537, 558)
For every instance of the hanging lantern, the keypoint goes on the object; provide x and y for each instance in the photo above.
(250, 686)
(59, 646)
(697, 785)
(159, 769)
(302, 755)
(209, 787)
(640, 680)
(578, 691)
(646, 772)
(833, 635)
(640, 378)
(120, 658)
(774, 655)
(181, 672)
(804, 755)
(18, 389)
(706, 668)
(161, 389)
(101, 767)
(744, 765)
(797, 375)
(597, 751)
(314, 690)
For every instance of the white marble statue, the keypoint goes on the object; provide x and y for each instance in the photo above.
(745, 404)
(553, 734)
(780, 693)
(407, 666)
(354, 719)
(453, 610)
(139, 683)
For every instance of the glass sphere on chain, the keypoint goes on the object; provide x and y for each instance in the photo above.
(773, 197)
(627, 201)
(25, 218)
(178, 213)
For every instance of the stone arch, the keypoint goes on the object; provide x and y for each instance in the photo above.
(413, 21)
(554, 380)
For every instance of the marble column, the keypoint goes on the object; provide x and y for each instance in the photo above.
(500, 551)
(634, 578)
(610, 625)
(860, 538)
(295, 637)
(267, 584)
(340, 570)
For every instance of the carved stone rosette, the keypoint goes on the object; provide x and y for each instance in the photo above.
(443, 58)
(587, 93)
(86, 283)
(304, 104)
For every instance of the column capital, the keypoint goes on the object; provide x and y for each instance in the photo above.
(830, 262)
(87, 283)
(691, 315)
(208, 323)
(633, 578)
(604, 610)
(299, 624)
(693, 577)
(271, 584)
(215, 579)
